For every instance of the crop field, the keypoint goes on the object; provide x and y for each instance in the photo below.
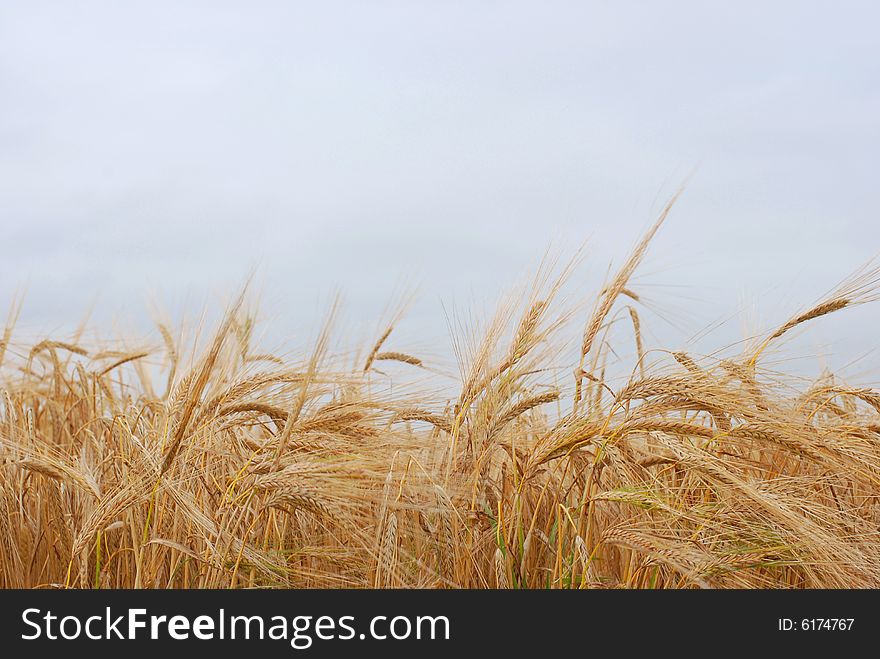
(217, 465)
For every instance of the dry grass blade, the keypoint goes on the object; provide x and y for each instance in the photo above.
(398, 357)
(194, 391)
(615, 288)
(124, 360)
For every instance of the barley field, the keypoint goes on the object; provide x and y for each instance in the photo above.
(222, 466)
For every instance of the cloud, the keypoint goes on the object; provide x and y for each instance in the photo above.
(153, 146)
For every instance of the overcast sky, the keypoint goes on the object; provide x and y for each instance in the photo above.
(161, 150)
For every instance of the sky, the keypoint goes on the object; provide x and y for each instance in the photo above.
(156, 153)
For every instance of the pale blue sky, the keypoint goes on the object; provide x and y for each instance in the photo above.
(162, 149)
